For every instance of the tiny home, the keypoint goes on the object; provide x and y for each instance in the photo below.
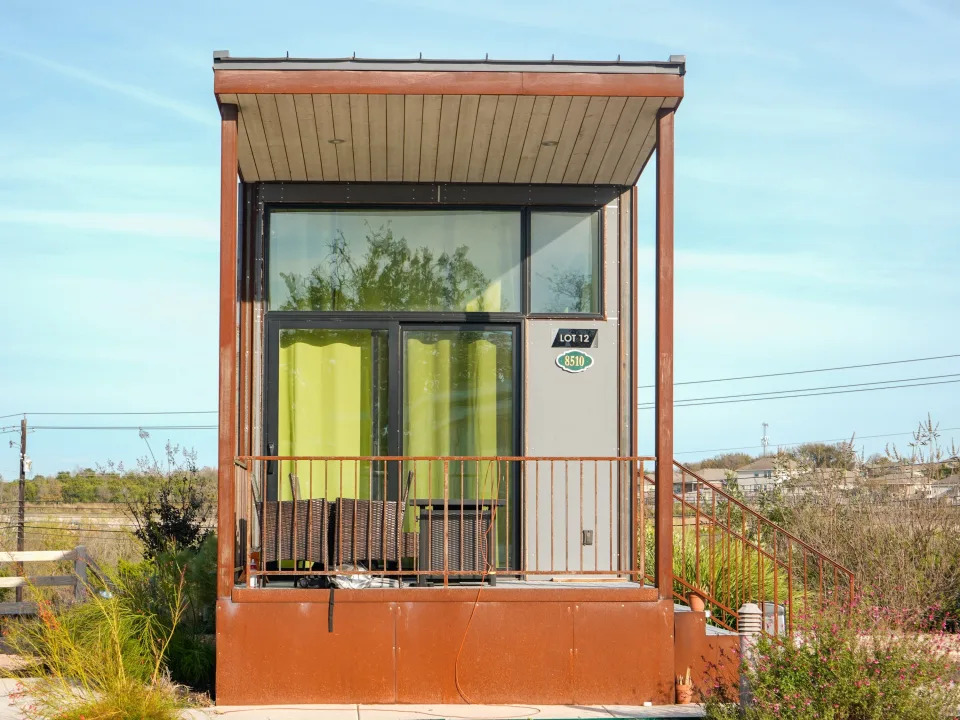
(429, 483)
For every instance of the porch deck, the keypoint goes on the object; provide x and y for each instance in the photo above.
(505, 583)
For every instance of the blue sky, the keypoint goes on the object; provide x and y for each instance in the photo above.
(818, 200)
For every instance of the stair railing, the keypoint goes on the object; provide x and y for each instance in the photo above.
(730, 554)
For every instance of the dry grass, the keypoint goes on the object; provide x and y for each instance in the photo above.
(100, 660)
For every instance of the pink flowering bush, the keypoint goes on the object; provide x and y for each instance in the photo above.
(872, 664)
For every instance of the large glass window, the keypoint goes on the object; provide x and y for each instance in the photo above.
(408, 260)
(565, 262)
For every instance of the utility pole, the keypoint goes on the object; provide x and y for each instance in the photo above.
(21, 499)
(765, 441)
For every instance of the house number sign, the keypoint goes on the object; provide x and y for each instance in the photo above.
(574, 361)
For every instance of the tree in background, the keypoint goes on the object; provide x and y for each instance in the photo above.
(726, 461)
(824, 455)
(927, 452)
(108, 484)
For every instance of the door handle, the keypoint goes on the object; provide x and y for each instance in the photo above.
(271, 464)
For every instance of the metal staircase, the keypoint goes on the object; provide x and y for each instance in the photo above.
(731, 555)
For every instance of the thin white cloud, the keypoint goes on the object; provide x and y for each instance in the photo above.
(799, 116)
(142, 224)
(134, 92)
(59, 165)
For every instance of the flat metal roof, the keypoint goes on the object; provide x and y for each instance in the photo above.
(675, 65)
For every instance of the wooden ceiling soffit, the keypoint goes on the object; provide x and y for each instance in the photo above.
(537, 128)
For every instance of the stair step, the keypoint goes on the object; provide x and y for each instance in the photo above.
(710, 629)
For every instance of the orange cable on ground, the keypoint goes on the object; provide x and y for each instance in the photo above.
(483, 576)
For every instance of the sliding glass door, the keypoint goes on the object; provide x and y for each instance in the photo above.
(458, 400)
(363, 389)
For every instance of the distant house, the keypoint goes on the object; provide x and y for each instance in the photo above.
(762, 474)
(910, 482)
(686, 483)
(717, 476)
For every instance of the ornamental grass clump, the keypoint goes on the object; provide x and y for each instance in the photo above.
(100, 660)
(872, 664)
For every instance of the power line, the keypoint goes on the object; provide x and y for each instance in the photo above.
(688, 382)
(143, 412)
(815, 370)
(805, 442)
(758, 395)
(650, 406)
(832, 392)
(125, 427)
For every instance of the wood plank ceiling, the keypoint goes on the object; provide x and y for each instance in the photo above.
(445, 138)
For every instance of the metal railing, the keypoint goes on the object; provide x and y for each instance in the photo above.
(392, 521)
(731, 554)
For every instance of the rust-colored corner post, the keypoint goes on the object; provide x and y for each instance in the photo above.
(227, 405)
(664, 362)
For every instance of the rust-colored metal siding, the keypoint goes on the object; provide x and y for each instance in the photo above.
(385, 82)
(712, 659)
(518, 645)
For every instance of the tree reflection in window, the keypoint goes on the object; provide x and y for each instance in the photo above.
(389, 276)
(564, 262)
(571, 291)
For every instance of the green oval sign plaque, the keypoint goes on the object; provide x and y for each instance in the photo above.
(574, 361)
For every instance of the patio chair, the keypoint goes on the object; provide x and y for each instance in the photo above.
(297, 530)
(369, 531)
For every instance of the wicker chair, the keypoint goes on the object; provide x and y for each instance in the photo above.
(297, 530)
(467, 550)
(368, 531)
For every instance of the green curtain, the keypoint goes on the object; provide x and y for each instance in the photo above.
(324, 401)
(458, 402)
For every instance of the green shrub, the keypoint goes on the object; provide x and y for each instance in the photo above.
(151, 584)
(870, 665)
(178, 512)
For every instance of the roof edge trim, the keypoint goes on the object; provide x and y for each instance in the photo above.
(676, 65)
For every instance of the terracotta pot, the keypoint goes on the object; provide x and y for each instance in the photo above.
(684, 694)
(696, 602)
